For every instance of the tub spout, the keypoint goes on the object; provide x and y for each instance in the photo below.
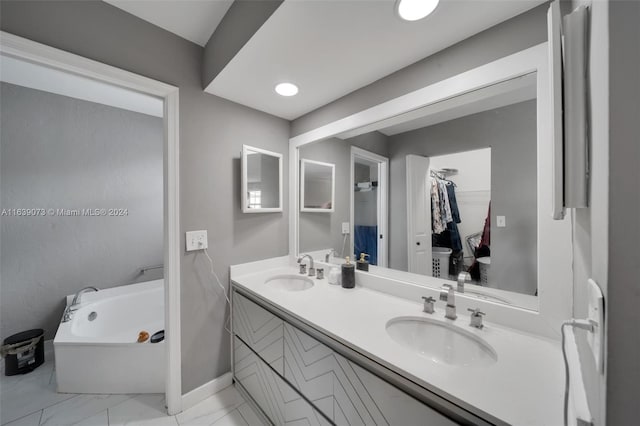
(76, 298)
(69, 310)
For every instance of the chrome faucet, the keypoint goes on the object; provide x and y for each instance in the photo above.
(312, 270)
(69, 310)
(463, 277)
(78, 296)
(327, 257)
(447, 294)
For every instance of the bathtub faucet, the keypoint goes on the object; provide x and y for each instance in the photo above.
(69, 310)
(76, 298)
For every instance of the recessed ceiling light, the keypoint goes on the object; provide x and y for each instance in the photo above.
(286, 89)
(414, 10)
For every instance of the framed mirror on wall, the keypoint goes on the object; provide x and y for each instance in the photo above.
(317, 186)
(487, 134)
(261, 180)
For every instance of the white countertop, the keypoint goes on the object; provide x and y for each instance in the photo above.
(524, 387)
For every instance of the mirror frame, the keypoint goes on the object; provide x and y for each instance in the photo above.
(245, 183)
(554, 266)
(333, 186)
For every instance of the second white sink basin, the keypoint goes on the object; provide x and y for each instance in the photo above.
(441, 342)
(290, 282)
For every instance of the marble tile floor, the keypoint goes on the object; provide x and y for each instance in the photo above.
(31, 399)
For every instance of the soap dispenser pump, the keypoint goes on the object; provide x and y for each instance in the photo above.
(362, 264)
(348, 274)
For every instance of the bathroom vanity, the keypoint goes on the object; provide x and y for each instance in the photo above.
(375, 354)
(303, 348)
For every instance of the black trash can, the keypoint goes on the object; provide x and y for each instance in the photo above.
(23, 352)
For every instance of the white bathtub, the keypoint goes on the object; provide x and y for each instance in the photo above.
(102, 355)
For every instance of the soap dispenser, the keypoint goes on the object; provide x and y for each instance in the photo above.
(348, 274)
(362, 264)
(334, 276)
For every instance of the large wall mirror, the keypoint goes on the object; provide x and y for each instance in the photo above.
(455, 185)
(261, 180)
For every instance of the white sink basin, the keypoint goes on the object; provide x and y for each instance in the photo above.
(290, 282)
(441, 342)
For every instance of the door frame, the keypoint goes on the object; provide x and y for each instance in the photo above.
(24, 49)
(382, 202)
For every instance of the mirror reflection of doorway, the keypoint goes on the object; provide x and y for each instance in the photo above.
(369, 209)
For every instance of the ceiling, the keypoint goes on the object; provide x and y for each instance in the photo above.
(39, 77)
(194, 20)
(331, 48)
(327, 48)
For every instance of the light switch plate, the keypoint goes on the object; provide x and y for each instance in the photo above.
(197, 240)
(596, 314)
(345, 228)
(501, 221)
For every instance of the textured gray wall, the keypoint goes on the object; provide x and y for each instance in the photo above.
(212, 131)
(511, 133)
(59, 152)
(514, 35)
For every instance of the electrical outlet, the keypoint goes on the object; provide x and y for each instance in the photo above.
(595, 313)
(345, 228)
(197, 240)
(501, 221)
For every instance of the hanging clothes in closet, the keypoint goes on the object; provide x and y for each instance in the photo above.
(445, 215)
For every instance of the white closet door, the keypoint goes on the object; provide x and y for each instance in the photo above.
(418, 215)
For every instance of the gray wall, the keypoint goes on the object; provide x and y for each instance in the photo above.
(324, 230)
(212, 131)
(514, 35)
(607, 233)
(59, 152)
(511, 133)
(623, 365)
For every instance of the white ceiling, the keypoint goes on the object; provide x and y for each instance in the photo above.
(331, 48)
(27, 74)
(194, 20)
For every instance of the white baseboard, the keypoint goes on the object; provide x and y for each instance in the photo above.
(203, 392)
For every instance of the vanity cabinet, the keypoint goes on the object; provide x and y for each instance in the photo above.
(319, 383)
(260, 329)
(281, 403)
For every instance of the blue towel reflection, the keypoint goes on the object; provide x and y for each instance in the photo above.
(366, 241)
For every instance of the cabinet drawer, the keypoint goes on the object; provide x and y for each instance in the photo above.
(309, 365)
(345, 392)
(259, 329)
(362, 398)
(279, 401)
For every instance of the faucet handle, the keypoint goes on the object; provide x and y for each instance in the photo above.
(476, 318)
(428, 304)
(303, 268)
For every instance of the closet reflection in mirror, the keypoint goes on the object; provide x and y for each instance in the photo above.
(462, 190)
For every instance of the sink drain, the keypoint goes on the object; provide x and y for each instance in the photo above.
(93, 315)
